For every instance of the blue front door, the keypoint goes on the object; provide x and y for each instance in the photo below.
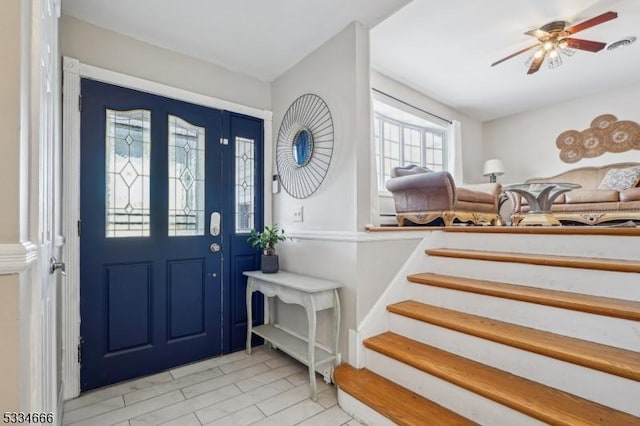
(169, 192)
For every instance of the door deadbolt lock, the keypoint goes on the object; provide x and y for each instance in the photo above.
(214, 224)
(215, 247)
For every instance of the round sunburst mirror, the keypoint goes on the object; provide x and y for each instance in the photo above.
(305, 146)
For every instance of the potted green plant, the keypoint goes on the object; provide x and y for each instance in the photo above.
(266, 241)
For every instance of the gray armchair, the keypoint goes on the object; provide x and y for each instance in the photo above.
(422, 196)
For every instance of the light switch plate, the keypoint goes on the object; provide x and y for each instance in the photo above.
(297, 214)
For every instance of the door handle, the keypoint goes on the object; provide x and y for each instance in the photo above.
(214, 224)
(215, 247)
(54, 265)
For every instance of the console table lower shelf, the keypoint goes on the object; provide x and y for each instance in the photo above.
(295, 347)
(314, 295)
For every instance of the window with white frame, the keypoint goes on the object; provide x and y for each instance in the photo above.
(401, 139)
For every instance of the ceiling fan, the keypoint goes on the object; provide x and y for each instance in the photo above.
(555, 38)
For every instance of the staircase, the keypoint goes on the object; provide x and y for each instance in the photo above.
(503, 329)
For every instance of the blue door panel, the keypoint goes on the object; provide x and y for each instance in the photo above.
(151, 303)
(128, 290)
(186, 297)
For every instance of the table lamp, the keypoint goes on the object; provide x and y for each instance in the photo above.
(493, 168)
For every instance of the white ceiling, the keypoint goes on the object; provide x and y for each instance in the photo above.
(261, 38)
(444, 49)
(441, 48)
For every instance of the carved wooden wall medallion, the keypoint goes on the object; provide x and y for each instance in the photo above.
(606, 134)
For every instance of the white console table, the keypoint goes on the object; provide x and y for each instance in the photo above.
(314, 295)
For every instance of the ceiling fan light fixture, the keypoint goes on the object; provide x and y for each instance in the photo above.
(556, 38)
(554, 59)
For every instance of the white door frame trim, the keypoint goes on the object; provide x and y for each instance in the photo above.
(73, 71)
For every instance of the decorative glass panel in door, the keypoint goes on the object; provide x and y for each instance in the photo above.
(245, 184)
(127, 154)
(186, 177)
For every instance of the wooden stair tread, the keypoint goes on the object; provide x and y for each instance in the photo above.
(621, 362)
(393, 401)
(626, 309)
(534, 399)
(540, 259)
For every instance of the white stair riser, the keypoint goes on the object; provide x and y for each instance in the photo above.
(597, 246)
(457, 399)
(617, 285)
(596, 328)
(613, 391)
(361, 412)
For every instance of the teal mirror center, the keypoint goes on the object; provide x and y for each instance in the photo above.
(302, 147)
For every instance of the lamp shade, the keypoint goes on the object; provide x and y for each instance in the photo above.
(493, 167)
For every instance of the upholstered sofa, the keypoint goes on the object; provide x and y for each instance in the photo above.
(588, 204)
(421, 196)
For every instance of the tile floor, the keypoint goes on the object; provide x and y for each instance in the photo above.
(266, 388)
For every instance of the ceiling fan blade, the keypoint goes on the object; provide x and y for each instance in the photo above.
(537, 62)
(515, 54)
(537, 33)
(607, 16)
(591, 46)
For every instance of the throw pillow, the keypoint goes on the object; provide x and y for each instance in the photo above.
(620, 179)
(411, 169)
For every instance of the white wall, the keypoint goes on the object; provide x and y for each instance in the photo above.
(12, 106)
(10, 351)
(338, 72)
(526, 142)
(103, 48)
(10, 102)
